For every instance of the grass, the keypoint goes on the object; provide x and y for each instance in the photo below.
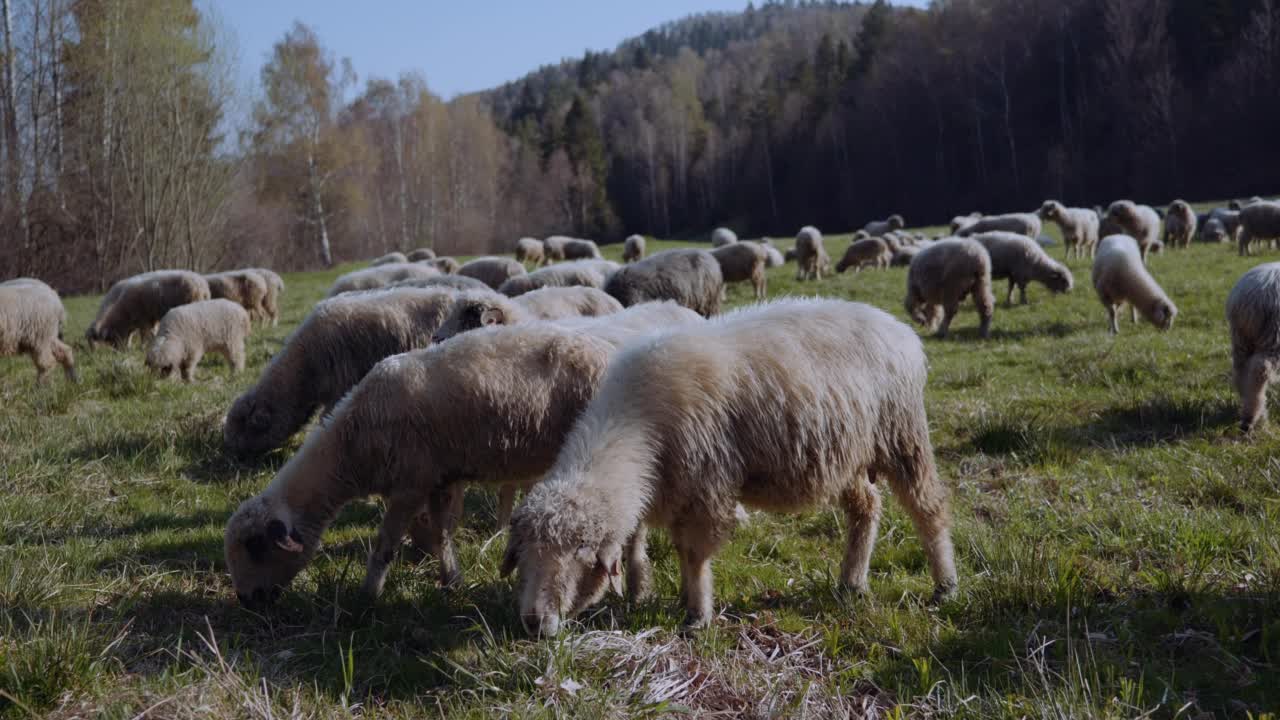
(1118, 542)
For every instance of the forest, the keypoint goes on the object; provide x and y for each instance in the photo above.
(126, 144)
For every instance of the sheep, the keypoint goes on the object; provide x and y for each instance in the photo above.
(1022, 223)
(389, 258)
(275, 288)
(1179, 224)
(877, 228)
(1221, 225)
(530, 250)
(1139, 222)
(742, 261)
(1253, 313)
(421, 254)
(940, 277)
(690, 277)
(587, 273)
(960, 222)
(492, 271)
(554, 247)
(633, 249)
(336, 344)
(903, 256)
(1079, 227)
(446, 265)
(869, 252)
(1259, 222)
(31, 321)
(790, 255)
(775, 256)
(372, 278)
(482, 308)
(1237, 205)
(489, 406)
(247, 288)
(785, 406)
(136, 304)
(811, 254)
(188, 331)
(1021, 260)
(576, 249)
(457, 282)
(1119, 276)
(722, 236)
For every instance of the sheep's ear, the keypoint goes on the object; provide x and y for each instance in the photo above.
(289, 541)
(510, 558)
(490, 316)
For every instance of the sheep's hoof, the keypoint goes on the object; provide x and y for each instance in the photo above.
(942, 593)
(693, 623)
(854, 592)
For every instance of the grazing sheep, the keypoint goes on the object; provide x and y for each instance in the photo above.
(1139, 222)
(1237, 205)
(790, 255)
(723, 236)
(869, 252)
(576, 249)
(785, 407)
(493, 406)
(492, 271)
(1179, 224)
(246, 288)
(187, 332)
(633, 249)
(1022, 223)
(275, 289)
(530, 250)
(776, 258)
(31, 321)
(940, 277)
(690, 277)
(136, 304)
(554, 247)
(1253, 312)
(421, 254)
(482, 308)
(1020, 260)
(456, 282)
(1120, 276)
(446, 265)
(372, 278)
(586, 273)
(960, 222)
(811, 254)
(1221, 225)
(877, 228)
(743, 261)
(1079, 227)
(389, 259)
(1259, 222)
(336, 344)
(903, 256)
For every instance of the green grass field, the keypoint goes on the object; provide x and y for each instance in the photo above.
(1118, 544)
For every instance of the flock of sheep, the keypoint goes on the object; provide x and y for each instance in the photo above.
(617, 396)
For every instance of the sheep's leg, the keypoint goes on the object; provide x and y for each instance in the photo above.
(402, 509)
(639, 571)
(916, 485)
(506, 503)
(43, 360)
(1022, 293)
(1251, 380)
(695, 548)
(1133, 313)
(62, 353)
(236, 356)
(862, 507)
(188, 367)
(985, 304)
(1113, 314)
(949, 311)
(1245, 239)
(1008, 298)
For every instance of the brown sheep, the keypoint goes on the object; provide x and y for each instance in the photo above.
(941, 276)
(743, 261)
(492, 271)
(136, 304)
(869, 252)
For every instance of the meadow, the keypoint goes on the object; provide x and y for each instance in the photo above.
(1118, 542)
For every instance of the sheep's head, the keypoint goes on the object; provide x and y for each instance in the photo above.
(256, 423)
(165, 355)
(1051, 210)
(1060, 280)
(471, 314)
(1122, 211)
(264, 550)
(1162, 314)
(897, 222)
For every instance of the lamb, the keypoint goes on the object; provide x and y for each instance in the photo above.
(775, 257)
(336, 344)
(389, 258)
(1139, 222)
(482, 308)
(576, 249)
(372, 278)
(786, 406)
(586, 273)
(456, 282)
(489, 406)
(1253, 313)
(492, 271)
(31, 321)
(1021, 260)
(743, 261)
(421, 254)
(870, 252)
(554, 247)
(690, 277)
(1119, 276)
(940, 277)
(1022, 223)
(1179, 224)
(877, 228)
(187, 332)
(275, 288)
(722, 236)
(530, 250)
(136, 304)
(1079, 227)
(811, 254)
(446, 265)
(1259, 221)
(247, 288)
(633, 249)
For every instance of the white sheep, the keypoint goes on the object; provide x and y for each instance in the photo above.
(1179, 224)
(1020, 260)
(587, 273)
(1259, 222)
(1022, 223)
(633, 249)
(247, 288)
(482, 308)
(136, 304)
(492, 271)
(723, 236)
(32, 319)
(742, 262)
(389, 259)
(1140, 222)
(1253, 313)
(578, 249)
(421, 254)
(530, 250)
(187, 332)
(554, 247)
(811, 254)
(786, 406)
(877, 228)
(446, 265)
(1079, 227)
(941, 275)
(688, 276)
(372, 278)
(275, 289)
(960, 222)
(1120, 276)
(775, 256)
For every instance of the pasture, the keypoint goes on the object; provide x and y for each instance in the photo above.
(1118, 544)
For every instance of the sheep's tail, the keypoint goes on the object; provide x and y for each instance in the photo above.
(913, 475)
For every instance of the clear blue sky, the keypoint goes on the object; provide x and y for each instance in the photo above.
(459, 45)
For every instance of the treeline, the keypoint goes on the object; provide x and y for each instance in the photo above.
(120, 149)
